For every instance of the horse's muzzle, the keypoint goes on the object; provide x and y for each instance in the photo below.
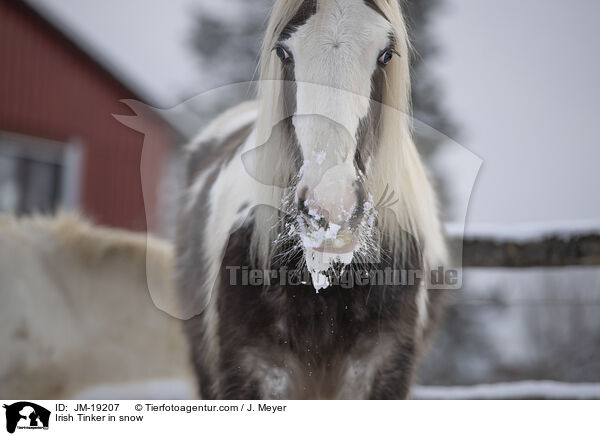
(346, 214)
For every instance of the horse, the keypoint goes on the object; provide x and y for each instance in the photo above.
(316, 180)
(76, 316)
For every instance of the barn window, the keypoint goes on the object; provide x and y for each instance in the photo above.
(37, 175)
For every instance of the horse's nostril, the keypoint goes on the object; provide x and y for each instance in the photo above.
(302, 200)
(344, 208)
(323, 223)
(319, 216)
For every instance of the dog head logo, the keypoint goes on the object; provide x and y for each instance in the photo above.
(25, 415)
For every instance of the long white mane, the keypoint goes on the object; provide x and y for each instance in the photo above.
(395, 169)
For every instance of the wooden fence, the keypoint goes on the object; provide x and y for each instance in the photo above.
(539, 246)
(554, 247)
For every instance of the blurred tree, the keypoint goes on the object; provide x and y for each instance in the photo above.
(228, 36)
(227, 39)
(426, 93)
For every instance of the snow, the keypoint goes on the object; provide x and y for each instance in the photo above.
(335, 245)
(319, 157)
(319, 263)
(315, 238)
(523, 232)
(175, 389)
(167, 389)
(515, 390)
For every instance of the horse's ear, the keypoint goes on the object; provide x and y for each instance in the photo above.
(5, 406)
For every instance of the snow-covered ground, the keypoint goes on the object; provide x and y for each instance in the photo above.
(542, 390)
(169, 389)
(182, 390)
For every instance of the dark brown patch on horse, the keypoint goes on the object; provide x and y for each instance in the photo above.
(215, 149)
(190, 248)
(289, 109)
(191, 273)
(369, 128)
(307, 10)
(373, 5)
(295, 321)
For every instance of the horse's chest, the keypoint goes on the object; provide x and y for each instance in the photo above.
(295, 343)
(300, 344)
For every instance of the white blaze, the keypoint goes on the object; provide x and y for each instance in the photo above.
(335, 55)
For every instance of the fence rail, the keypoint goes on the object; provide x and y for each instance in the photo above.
(506, 248)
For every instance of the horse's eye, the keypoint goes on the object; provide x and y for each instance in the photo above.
(385, 57)
(282, 54)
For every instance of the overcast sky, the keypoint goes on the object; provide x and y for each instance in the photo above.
(520, 77)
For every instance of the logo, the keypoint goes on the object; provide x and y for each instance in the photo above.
(25, 415)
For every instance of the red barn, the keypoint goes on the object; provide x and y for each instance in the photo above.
(60, 146)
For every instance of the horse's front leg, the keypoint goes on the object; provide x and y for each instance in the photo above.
(394, 377)
(237, 382)
(256, 374)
